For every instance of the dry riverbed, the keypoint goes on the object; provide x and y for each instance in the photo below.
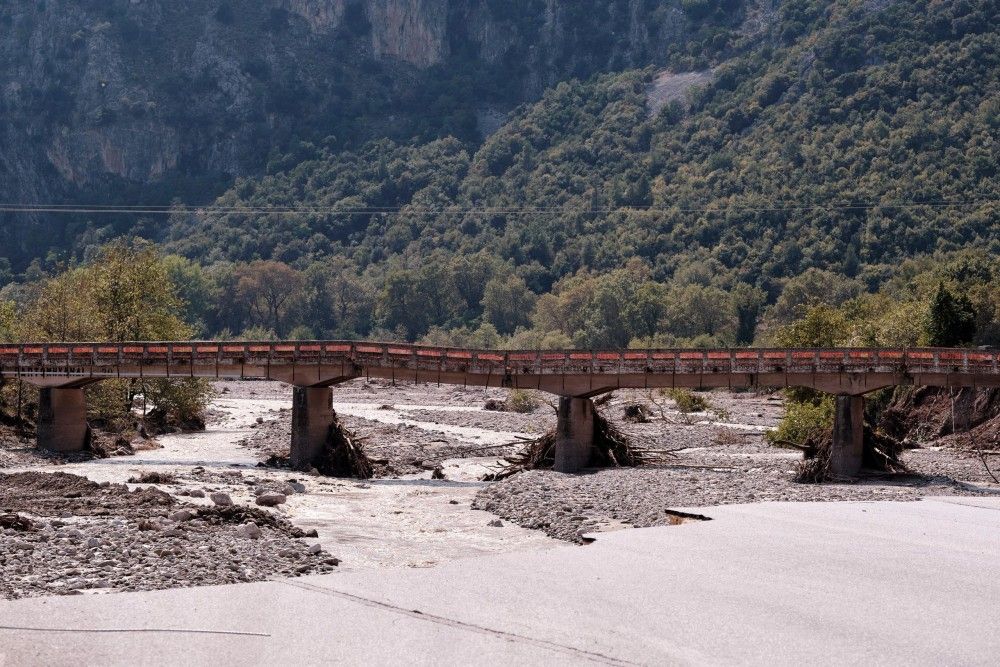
(92, 530)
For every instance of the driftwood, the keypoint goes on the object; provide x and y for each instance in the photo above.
(344, 455)
(612, 449)
(880, 454)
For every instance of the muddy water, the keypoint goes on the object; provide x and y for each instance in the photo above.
(411, 521)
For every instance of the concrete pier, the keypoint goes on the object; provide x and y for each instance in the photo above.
(574, 434)
(62, 419)
(848, 436)
(312, 416)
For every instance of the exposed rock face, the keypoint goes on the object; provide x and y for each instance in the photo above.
(411, 30)
(137, 151)
(321, 15)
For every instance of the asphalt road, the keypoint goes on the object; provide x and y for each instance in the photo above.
(773, 583)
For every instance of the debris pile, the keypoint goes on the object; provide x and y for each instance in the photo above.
(881, 453)
(344, 455)
(612, 449)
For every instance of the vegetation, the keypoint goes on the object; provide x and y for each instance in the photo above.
(804, 421)
(833, 175)
(124, 294)
(520, 400)
(951, 302)
(687, 401)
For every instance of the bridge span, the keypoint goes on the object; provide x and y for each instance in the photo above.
(62, 370)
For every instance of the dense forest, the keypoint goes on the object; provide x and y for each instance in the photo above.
(126, 102)
(848, 156)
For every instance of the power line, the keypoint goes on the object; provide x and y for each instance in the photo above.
(411, 210)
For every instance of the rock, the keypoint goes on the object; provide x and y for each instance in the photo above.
(452, 502)
(75, 584)
(94, 542)
(221, 499)
(250, 531)
(496, 523)
(196, 493)
(298, 487)
(315, 549)
(271, 499)
(181, 515)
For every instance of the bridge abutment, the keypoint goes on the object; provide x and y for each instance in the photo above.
(312, 416)
(62, 419)
(847, 450)
(574, 434)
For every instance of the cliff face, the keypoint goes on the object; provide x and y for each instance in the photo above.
(101, 97)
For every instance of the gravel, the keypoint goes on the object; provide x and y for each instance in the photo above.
(69, 534)
(728, 467)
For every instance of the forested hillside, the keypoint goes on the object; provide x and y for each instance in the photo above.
(870, 141)
(139, 102)
(831, 148)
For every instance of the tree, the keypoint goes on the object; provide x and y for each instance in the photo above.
(820, 326)
(133, 296)
(749, 302)
(7, 318)
(195, 288)
(124, 294)
(951, 320)
(269, 290)
(508, 303)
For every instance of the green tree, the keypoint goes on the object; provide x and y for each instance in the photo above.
(508, 303)
(270, 291)
(8, 315)
(951, 320)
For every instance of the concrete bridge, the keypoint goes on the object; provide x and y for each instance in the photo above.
(62, 370)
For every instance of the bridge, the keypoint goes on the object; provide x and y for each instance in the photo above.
(62, 370)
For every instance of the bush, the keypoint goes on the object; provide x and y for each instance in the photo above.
(804, 421)
(178, 403)
(687, 401)
(520, 400)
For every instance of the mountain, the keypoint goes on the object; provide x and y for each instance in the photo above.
(853, 136)
(144, 101)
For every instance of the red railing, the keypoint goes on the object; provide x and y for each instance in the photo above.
(69, 358)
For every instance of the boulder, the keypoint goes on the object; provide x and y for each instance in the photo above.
(181, 515)
(271, 499)
(250, 531)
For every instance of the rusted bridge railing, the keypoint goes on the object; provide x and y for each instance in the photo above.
(342, 359)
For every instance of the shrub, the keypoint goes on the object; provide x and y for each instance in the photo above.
(520, 400)
(803, 421)
(178, 403)
(687, 401)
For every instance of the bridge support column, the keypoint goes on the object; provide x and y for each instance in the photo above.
(848, 444)
(62, 419)
(312, 416)
(574, 434)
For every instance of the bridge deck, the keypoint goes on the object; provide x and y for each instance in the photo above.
(563, 372)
